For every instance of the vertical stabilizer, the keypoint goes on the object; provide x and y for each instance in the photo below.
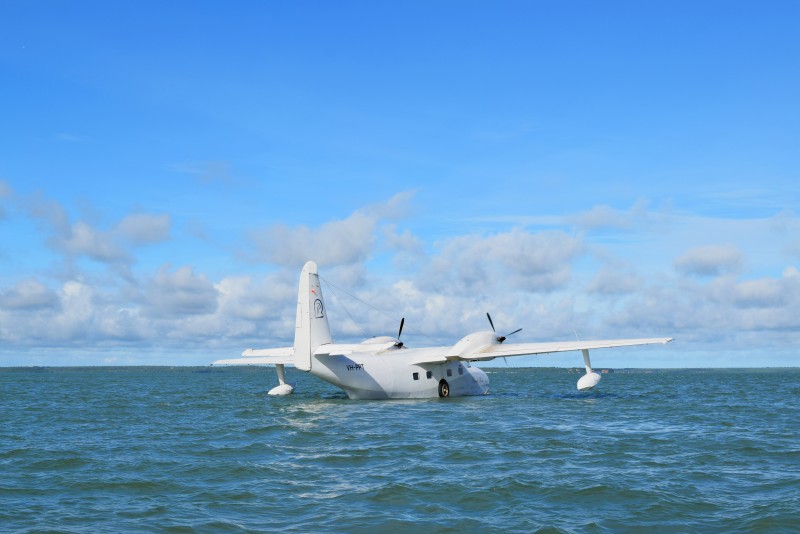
(311, 326)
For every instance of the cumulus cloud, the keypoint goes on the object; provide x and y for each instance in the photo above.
(77, 302)
(177, 308)
(723, 313)
(28, 294)
(712, 260)
(334, 243)
(81, 239)
(761, 293)
(610, 281)
(181, 292)
(339, 242)
(408, 250)
(109, 246)
(144, 228)
(531, 279)
(50, 214)
(402, 241)
(605, 217)
(249, 298)
(519, 259)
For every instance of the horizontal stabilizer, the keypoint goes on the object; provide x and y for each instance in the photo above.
(283, 356)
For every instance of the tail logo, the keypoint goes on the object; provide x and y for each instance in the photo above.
(318, 309)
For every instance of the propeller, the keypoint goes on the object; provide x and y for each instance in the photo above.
(500, 339)
(399, 343)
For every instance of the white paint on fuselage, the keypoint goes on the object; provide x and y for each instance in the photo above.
(390, 374)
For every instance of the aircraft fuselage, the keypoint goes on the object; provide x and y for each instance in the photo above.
(390, 374)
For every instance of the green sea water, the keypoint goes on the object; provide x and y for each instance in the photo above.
(207, 450)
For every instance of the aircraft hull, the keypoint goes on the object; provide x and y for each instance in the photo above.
(387, 376)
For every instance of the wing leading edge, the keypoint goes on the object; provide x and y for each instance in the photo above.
(490, 352)
(281, 356)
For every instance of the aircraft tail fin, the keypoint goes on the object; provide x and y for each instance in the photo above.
(311, 326)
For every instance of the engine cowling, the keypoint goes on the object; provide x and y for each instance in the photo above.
(470, 344)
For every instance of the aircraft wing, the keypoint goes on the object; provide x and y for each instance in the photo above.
(284, 356)
(490, 352)
(524, 349)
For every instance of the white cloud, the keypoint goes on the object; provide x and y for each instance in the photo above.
(763, 293)
(144, 228)
(83, 240)
(606, 217)
(712, 260)
(517, 259)
(258, 300)
(181, 292)
(610, 281)
(724, 314)
(78, 239)
(28, 294)
(77, 303)
(334, 243)
(49, 213)
(402, 241)
(547, 282)
(339, 242)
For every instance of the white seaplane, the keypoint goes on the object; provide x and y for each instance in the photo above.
(383, 368)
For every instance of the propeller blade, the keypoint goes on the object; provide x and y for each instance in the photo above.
(500, 339)
(399, 343)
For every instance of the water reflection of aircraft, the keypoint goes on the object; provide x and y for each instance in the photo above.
(383, 368)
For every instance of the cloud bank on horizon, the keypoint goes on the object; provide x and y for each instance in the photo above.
(93, 302)
(571, 175)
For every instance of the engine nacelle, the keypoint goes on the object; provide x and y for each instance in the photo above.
(471, 343)
(379, 340)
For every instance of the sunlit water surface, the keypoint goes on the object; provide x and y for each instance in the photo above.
(206, 449)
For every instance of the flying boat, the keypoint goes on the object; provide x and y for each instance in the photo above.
(384, 368)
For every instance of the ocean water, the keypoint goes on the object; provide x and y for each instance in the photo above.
(207, 450)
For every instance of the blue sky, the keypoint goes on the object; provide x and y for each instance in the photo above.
(600, 170)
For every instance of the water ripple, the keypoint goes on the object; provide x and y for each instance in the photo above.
(177, 450)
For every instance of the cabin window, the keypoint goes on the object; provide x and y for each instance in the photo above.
(416, 376)
(429, 374)
(449, 372)
(460, 370)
